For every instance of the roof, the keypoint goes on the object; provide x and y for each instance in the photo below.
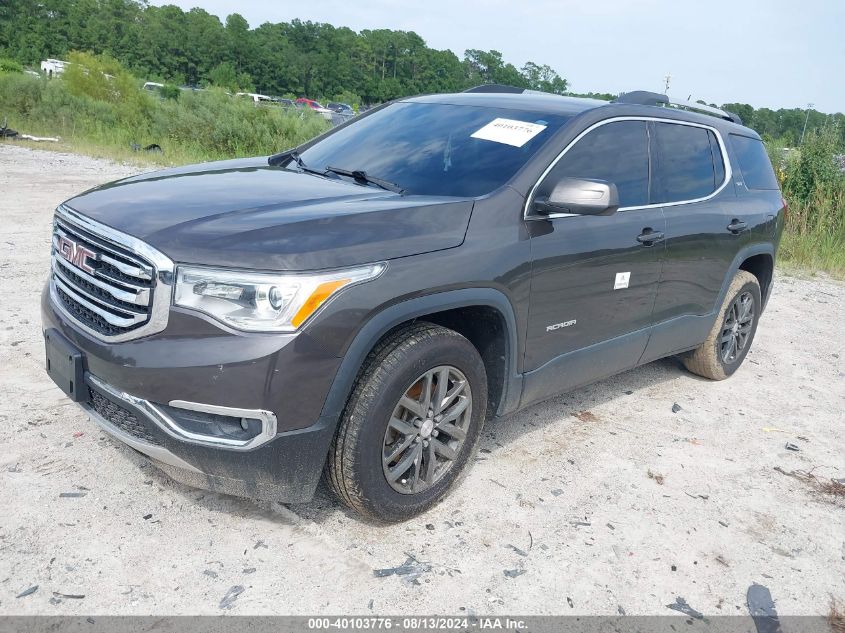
(528, 101)
(547, 103)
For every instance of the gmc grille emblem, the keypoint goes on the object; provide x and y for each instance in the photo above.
(76, 254)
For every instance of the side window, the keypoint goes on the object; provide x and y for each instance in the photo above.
(616, 152)
(754, 163)
(685, 163)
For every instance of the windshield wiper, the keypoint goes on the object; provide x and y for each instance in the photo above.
(362, 177)
(292, 156)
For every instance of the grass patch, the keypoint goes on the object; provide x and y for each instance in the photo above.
(802, 254)
(97, 108)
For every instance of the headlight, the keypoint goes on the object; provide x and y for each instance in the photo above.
(263, 302)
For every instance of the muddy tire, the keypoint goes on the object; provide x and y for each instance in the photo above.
(733, 332)
(411, 424)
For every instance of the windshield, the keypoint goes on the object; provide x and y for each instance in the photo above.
(437, 149)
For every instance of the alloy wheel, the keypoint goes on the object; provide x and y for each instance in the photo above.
(427, 430)
(736, 328)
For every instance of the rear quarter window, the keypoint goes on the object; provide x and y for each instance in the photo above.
(754, 163)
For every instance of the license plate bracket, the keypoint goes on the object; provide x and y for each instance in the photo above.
(65, 365)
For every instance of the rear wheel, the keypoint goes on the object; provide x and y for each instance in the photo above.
(730, 339)
(411, 423)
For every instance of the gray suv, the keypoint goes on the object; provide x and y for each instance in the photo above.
(361, 305)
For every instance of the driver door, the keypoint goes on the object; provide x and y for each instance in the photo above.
(594, 277)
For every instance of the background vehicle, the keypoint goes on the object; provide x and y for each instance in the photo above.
(341, 108)
(316, 107)
(288, 104)
(256, 98)
(367, 301)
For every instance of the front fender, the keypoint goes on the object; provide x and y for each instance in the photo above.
(382, 322)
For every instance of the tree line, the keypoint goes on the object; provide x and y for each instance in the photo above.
(788, 126)
(296, 58)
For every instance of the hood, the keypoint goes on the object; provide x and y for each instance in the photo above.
(246, 214)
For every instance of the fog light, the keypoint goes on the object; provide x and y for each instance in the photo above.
(214, 425)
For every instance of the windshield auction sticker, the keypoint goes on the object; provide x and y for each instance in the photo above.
(509, 132)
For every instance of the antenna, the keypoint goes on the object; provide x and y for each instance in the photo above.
(666, 81)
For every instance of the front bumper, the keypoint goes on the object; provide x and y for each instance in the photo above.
(279, 381)
(286, 468)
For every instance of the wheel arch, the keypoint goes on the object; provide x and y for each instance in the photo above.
(762, 266)
(467, 311)
(759, 260)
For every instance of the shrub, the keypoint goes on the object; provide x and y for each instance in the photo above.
(814, 185)
(169, 91)
(20, 94)
(10, 66)
(815, 168)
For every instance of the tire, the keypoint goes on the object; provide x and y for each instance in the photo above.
(375, 424)
(712, 359)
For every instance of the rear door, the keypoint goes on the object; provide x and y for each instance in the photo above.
(703, 231)
(594, 278)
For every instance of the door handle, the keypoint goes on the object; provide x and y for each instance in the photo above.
(649, 237)
(737, 226)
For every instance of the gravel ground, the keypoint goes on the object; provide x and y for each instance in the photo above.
(601, 501)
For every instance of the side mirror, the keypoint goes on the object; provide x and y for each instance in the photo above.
(580, 196)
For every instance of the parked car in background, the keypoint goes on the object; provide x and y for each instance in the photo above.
(153, 86)
(341, 108)
(256, 98)
(287, 104)
(53, 67)
(316, 107)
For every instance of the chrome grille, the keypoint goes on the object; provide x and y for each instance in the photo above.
(109, 283)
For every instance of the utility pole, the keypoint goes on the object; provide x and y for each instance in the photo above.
(807, 118)
(666, 80)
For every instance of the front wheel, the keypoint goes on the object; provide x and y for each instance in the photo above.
(411, 424)
(730, 339)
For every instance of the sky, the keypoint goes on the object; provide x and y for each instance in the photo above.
(768, 53)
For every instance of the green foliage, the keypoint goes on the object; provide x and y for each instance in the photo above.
(297, 58)
(544, 78)
(602, 96)
(20, 94)
(815, 168)
(787, 124)
(102, 78)
(169, 91)
(92, 110)
(226, 76)
(348, 98)
(814, 185)
(10, 66)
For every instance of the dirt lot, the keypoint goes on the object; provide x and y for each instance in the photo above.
(558, 515)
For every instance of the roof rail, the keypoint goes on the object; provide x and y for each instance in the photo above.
(642, 97)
